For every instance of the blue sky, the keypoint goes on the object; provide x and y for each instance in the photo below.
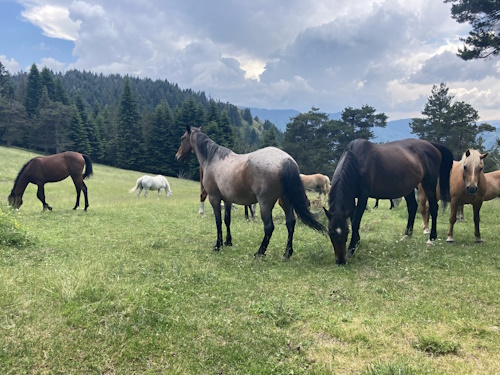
(297, 54)
(25, 42)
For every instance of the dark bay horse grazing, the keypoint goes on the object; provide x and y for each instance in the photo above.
(52, 168)
(261, 176)
(384, 171)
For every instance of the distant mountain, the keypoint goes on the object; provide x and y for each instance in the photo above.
(396, 129)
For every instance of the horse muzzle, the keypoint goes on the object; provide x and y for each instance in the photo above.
(471, 190)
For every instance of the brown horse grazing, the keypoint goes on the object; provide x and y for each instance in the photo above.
(53, 168)
(383, 171)
(261, 176)
(467, 186)
(316, 182)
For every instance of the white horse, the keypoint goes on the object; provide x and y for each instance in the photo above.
(152, 183)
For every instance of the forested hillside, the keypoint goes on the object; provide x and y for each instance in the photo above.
(120, 121)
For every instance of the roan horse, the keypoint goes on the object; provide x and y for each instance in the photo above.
(52, 168)
(261, 176)
(468, 185)
(152, 183)
(383, 171)
(203, 198)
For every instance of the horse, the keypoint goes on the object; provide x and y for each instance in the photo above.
(53, 168)
(152, 183)
(203, 197)
(492, 191)
(261, 176)
(467, 186)
(316, 182)
(390, 208)
(383, 171)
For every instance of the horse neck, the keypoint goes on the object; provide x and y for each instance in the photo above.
(20, 184)
(344, 185)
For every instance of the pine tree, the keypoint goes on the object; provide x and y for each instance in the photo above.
(162, 146)
(47, 80)
(78, 134)
(33, 91)
(129, 153)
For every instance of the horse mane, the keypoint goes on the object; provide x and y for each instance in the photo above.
(474, 158)
(21, 171)
(208, 149)
(345, 180)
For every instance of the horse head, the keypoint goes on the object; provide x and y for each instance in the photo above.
(15, 201)
(186, 147)
(472, 162)
(338, 230)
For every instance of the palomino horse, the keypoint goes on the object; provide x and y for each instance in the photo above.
(383, 171)
(467, 186)
(492, 191)
(148, 183)
(261, 176)
(53, 168)
(316, 182)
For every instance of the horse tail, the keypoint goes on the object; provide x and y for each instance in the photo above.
(294, 191)
(88, 167)
(444, 171)
(136, 185)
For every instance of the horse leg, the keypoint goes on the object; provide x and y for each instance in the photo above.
(215, 202)
(41, 196)
(146, 190)
(355, 223)
(290, 226)
(267, 218)
(203, 196)
(246, 212)
(392, 204)
(460, 213)
(85, 195)
(411, 207)
(78, 186)
(453, 219)
(139, 191)
(227, 221)
(477, 208)
(376, 204)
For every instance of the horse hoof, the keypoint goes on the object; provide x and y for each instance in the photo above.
(427, 231)
(259, 255)
(430, 242)
(479, 240)
(450, 240)
(228, 243)
(405, 237)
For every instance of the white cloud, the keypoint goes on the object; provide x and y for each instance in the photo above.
(12, 66)
(295, 54)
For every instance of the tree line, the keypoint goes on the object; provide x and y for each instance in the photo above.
(136, 123)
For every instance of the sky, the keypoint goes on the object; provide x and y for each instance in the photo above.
(290, 54)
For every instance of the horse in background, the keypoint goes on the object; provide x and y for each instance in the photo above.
(392, 170)
(390, 208)
(316, 182)
(261, 176)
(147, 183)
(53, 168)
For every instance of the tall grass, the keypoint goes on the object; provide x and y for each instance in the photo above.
(132, 286)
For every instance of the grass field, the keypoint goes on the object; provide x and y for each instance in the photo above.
(132, 286)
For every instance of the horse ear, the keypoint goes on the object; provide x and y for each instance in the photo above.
(201, 128)
(484, 155)
(327, 213)
(467, 153)
(188, 129)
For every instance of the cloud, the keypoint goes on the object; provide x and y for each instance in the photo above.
(385, 53)
(12, 66)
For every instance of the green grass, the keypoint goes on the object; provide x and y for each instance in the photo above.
(132, 286)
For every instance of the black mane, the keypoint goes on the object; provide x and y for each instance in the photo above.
(345, 181)
(21, 172)
(208, 149)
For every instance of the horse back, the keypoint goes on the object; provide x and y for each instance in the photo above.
(492, 185)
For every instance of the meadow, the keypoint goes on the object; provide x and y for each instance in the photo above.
(132, 287)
